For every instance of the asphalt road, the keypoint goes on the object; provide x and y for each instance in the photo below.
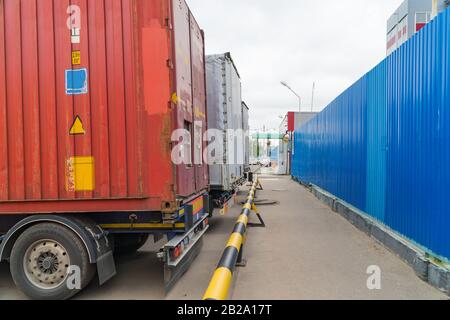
(306, 252)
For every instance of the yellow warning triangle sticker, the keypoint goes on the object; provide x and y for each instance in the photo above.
(77, 127)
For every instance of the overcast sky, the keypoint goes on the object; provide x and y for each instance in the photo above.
(330, 42)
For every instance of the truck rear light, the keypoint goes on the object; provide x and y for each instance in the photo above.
(176, 252)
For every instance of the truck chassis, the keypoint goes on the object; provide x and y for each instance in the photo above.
(47, 252)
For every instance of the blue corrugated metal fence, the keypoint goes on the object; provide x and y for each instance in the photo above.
(384, 144)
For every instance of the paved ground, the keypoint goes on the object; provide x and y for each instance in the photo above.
(306, 252)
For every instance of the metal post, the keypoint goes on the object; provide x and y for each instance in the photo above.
(240, 261)
(299, 99)
(220, 284)
(299, 105)
(435, 9)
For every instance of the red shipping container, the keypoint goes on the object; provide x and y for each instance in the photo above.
(90, 93)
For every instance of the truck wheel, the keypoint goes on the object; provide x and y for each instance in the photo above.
(41, 258)
(129, 243)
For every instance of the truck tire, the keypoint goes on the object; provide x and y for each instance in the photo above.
(129, 243)
(41, 258)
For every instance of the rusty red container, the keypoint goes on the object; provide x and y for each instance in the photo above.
(90, 93)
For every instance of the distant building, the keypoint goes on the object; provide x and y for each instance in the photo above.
(292, 122)
(409, 18)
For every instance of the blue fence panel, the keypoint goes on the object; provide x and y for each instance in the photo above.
(384, 144)
(330, 149)
(418, 157)
(376, 142)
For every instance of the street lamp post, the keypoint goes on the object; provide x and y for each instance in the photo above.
(296, 94)
(435, 9)
(290, 153)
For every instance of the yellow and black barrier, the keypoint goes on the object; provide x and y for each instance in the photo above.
(220, 284)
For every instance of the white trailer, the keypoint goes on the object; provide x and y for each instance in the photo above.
(225, 114)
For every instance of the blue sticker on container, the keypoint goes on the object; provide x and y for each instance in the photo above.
(76, 81)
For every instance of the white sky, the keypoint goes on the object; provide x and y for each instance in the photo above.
(330, 42)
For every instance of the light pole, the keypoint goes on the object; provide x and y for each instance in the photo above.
(435, 9)
(283, 83)
(290, 153)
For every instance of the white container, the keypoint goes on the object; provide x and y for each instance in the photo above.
(225, 112)
(246, 128)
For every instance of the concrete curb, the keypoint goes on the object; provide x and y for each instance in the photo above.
(426, 269)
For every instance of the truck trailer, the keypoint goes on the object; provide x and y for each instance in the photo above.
(226, 114)
(90, 93)
(246, 145)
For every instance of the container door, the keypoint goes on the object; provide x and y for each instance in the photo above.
(68, 109)
(184, 114)
(234, 114)
(228, 115)
(238, 124)
(199, 104)
(246, 118)
(216, 114)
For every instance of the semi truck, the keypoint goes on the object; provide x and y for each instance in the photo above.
(90, 93)
(246, 144)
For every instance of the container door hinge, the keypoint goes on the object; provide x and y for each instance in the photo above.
(170, 64)
(169, 23)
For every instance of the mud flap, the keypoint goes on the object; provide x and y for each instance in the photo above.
(179, 253)
(106, 267)
(174, 273)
